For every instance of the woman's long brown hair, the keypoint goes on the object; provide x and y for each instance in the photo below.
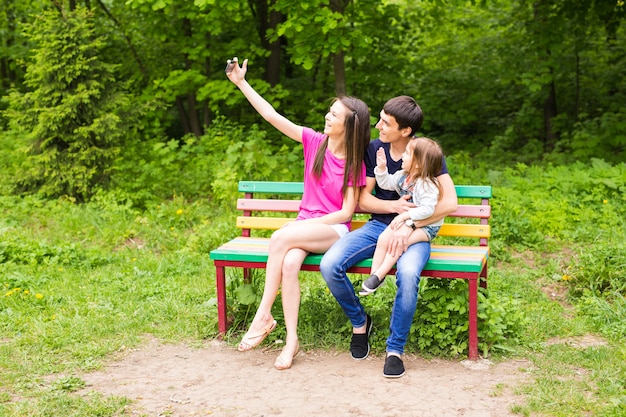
(357, 137)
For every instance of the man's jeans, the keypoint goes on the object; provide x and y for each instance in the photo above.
(359, 245)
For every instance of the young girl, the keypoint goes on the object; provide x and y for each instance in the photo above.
(421, 162)
(333, 174)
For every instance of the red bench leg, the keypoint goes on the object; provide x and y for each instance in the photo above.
(473, 318)
(220, 285)
(483, 275)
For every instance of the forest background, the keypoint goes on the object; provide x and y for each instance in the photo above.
(122, 141)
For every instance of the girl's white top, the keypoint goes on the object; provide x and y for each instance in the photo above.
(425, 194)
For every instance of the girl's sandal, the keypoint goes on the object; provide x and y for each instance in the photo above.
(250, 341)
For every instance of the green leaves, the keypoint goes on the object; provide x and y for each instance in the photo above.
(71, 116)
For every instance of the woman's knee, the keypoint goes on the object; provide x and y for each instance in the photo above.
(291, 266)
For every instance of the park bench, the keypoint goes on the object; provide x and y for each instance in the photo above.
(270, 201)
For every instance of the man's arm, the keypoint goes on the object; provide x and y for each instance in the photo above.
(447, 205)
(372, 204)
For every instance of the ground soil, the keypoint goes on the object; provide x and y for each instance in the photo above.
(215, 379)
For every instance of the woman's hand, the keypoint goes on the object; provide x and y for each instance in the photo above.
(237, 73)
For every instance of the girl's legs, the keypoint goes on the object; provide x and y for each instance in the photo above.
(309, 237)
(389, 261)
(381, 249)
(380, 269)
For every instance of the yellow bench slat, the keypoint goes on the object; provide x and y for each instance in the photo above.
(273, 223)
(465, 230)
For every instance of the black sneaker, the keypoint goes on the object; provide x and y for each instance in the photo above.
(371, 284)
(360, 343)
(394, 368)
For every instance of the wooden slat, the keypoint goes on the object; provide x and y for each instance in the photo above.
(473, 191)
(258, 204)
(462, 191)
(443, 257)
(254, 204)
(271, 187)
(447, 229)
(472, 211)
(268, 223)
(465, 230)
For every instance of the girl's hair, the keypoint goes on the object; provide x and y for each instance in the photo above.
(427, 161)
(357, 128)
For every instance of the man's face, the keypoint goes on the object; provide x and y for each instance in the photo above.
(389, 130)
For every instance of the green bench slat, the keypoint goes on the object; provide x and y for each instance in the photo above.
(445, 258)
(462, 191)
(270, 187)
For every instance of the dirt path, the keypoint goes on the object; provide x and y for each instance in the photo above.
(215, 379)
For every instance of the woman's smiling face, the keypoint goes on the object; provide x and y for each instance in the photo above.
(336, 120)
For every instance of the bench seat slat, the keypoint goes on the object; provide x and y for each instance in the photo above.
(443, 257)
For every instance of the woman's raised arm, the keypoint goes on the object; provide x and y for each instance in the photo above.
(262, 106)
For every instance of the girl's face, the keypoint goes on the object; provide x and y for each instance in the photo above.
(407, 157)
(336, 120)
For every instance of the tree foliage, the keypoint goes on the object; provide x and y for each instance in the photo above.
(501, 80)
(71, 117)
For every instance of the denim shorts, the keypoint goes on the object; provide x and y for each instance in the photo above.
(431, 231)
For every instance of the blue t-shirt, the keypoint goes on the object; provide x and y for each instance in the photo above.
(392, 167)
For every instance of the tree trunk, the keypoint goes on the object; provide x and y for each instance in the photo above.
(192, 121)
(340, 73)
(268, 19)
(549, 113)
(272, 68)
(182, 115)
(339, 64)
(7, 75)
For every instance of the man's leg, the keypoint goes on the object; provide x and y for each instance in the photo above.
(409, 268)
(343, 254)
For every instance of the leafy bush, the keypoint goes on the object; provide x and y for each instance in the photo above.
(597, 270)
(207, 166)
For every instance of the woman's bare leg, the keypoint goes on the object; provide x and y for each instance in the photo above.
(309, 237)
(291, 305)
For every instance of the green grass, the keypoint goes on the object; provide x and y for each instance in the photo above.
(80, 282)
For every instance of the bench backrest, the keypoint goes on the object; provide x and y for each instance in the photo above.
(281, 197)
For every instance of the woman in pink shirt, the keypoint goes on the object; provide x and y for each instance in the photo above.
(333, 174)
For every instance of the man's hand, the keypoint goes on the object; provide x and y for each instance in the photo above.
(402, 204)
(398, 242)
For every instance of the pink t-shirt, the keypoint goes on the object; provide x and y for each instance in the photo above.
(322, 195)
